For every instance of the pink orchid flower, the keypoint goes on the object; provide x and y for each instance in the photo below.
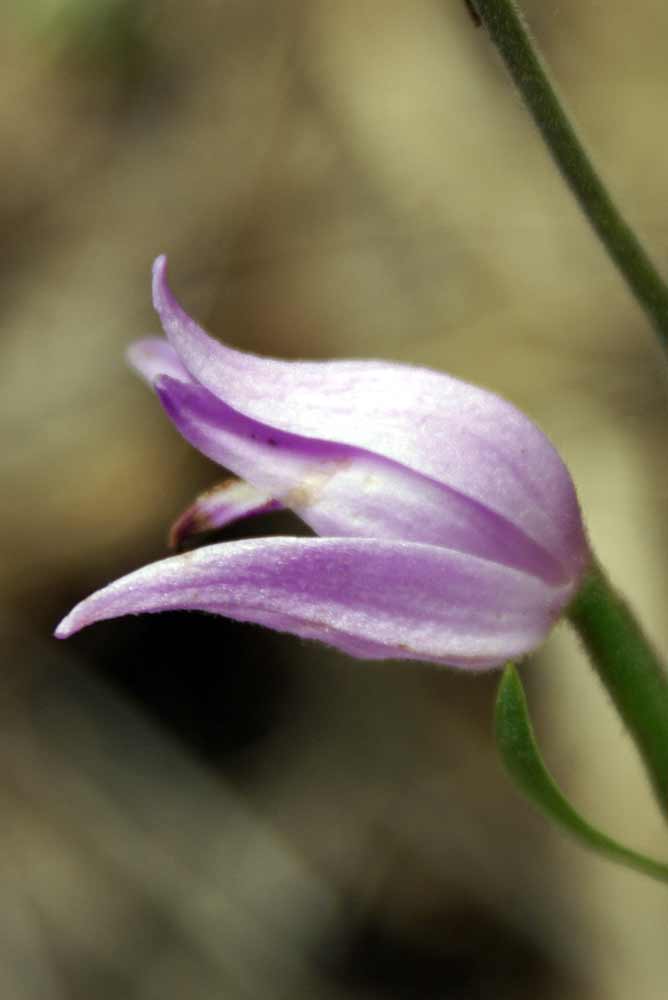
(447, 528)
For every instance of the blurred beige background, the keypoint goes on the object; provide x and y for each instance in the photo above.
(329, 179)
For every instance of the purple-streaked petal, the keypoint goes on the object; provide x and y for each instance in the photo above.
(152, 357)
(221, 505)
(370, 598)
(453, 432)
(343, 491)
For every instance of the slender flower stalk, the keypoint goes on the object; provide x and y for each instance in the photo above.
(630, 669)
(511, 36)
(447, 526)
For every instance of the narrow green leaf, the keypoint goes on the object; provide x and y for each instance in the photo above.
(521, 756)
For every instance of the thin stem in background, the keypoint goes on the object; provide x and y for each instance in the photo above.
(511, 36)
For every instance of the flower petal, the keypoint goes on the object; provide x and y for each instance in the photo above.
(456, 433)
(154, 356)
(368, 597)
(339, 490)
(229, 501)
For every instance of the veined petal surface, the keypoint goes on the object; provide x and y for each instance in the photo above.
(339, 490)
(456, 433)
(371, 598)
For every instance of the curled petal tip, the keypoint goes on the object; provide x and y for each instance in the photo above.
(184, 526)
(219, 506)
(153, 357)
(191, 522)
(159, 285)
(160, 265)
(66, 627)
(172, 316)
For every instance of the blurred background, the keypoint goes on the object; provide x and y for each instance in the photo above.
(195, 808)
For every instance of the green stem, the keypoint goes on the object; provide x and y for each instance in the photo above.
(510, 34)
(630, 670)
